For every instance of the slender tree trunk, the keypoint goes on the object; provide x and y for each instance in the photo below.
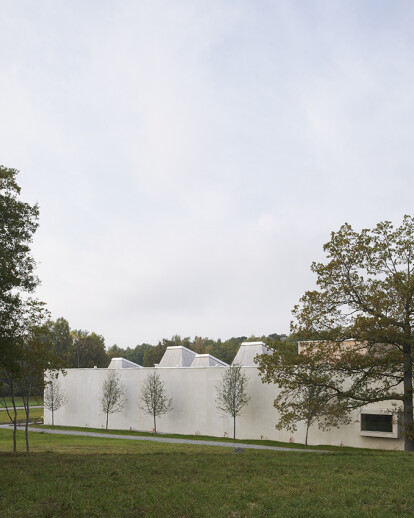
(408, 401)
(53, 404)
(26, 431)
(107, 417)
(26, 400)
(14, 419)
(14, 434)
(307, 431)
(234, 427)
(155, 425)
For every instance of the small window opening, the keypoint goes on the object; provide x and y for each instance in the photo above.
(376, 423)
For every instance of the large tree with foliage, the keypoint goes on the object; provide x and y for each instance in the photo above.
(365, 293)
(62, 339)
(87, 350)
(300, 400)
(18, 223)
(22, 350)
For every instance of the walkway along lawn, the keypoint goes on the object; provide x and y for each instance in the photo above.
(165, 439)
(93, 477)
(135, 433)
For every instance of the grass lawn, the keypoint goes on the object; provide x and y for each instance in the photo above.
(34, 412)
(88, 477)
(34, 401)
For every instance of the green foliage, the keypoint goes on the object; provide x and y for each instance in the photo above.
(301, 398)
(18, 223)
(362, 316)
(87, 350)
(62, 339)
(153, 355)
(78, 348)
(25, 350)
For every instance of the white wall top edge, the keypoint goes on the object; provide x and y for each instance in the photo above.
(253, 343)
(180, 347)
(206, 355)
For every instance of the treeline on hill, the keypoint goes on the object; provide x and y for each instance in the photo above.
(78, 348)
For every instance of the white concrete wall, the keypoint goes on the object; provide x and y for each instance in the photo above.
(194, 393)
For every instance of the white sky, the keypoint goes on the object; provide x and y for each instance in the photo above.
(190, 158)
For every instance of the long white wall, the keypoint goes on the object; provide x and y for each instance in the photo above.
(193, 392)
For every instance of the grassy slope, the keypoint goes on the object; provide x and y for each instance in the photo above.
(81, 476)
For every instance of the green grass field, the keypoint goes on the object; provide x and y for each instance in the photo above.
(34, 413)
(88, 477)
(34, 401)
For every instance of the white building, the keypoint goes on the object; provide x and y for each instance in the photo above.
(191, 380)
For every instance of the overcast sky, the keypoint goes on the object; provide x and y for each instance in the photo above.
(190, 158)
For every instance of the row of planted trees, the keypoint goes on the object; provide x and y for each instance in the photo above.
(231, 396)
(112, 398)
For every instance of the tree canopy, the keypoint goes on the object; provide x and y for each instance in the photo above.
(362, 318)
(25, 348)
(18, 223)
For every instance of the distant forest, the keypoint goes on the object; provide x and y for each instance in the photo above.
(80, 348)
(147, 355)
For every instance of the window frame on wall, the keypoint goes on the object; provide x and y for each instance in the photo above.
(393, 434)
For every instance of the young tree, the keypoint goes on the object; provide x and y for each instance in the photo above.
(54, 397)
(365, 293)
(153, 398)
(231, 393)
(112, 398)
